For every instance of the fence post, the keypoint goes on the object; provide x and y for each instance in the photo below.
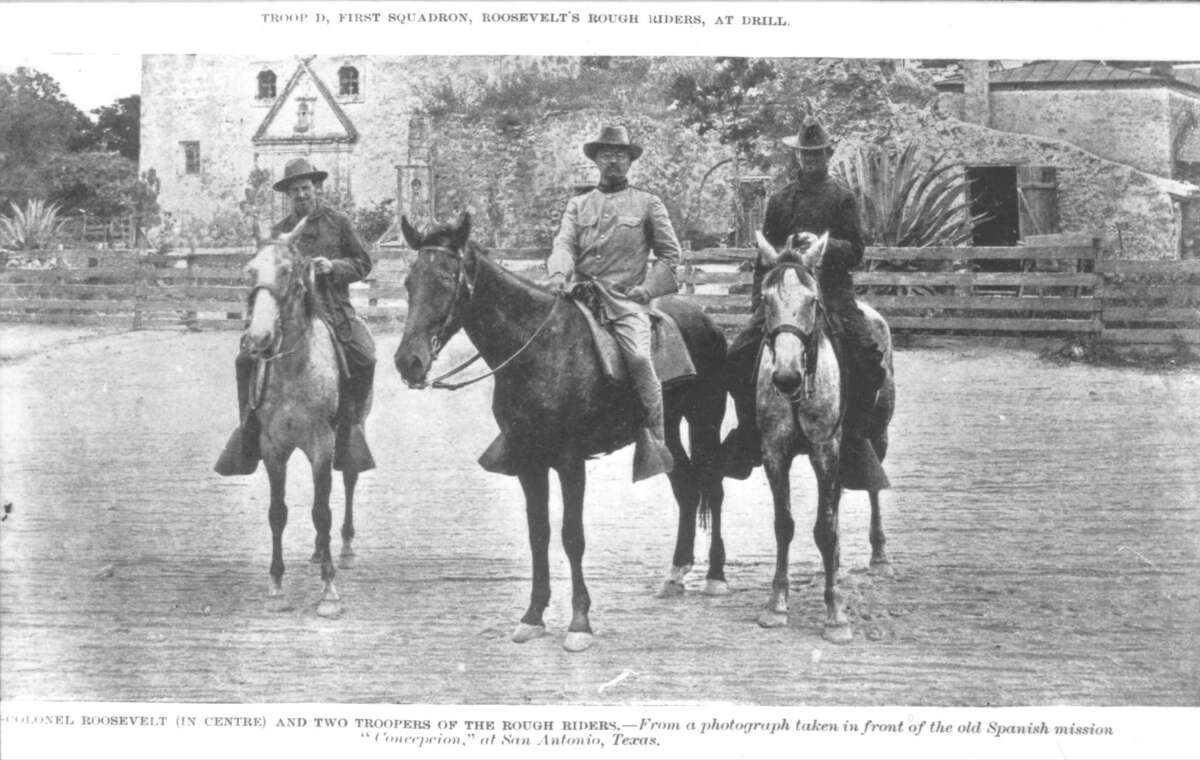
(1098, 293)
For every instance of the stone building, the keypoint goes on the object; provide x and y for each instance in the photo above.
(209, 121)
(1147, 122)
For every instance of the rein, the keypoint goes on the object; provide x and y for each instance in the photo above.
(463, 284)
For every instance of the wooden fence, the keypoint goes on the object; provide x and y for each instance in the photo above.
(1060, 286)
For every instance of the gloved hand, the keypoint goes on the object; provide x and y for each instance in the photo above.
(802, 241)
(556, 283)
(639, 294)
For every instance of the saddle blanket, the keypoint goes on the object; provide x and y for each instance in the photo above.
(668, 351)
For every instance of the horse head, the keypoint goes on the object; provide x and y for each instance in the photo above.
(439, 286)
(791, 306)
(278, 272)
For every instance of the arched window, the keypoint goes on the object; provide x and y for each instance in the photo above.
(266, 84)
(348, 81)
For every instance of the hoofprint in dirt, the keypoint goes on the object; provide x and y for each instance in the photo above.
(1043, 528)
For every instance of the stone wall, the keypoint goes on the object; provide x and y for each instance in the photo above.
(1125, 206)
(516, 183)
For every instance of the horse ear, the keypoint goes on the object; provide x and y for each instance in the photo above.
(766, 252)
(816, 251)
(410, 235)
(463, 232)
(287, 237)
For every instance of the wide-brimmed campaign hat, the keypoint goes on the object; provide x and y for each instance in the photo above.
(612, 137)
(298, 169)
(812, 136)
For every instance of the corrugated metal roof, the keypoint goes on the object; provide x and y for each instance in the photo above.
(1068, 72)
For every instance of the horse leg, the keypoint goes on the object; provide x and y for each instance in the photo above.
(573, 477)
(880, 563)
(536, 484)
(277, 515)
(706, 450)
(778, 466)
(322, 517)
(825, 533)
(346, 560)
(687, 495)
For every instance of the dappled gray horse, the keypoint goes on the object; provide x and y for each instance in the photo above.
(800, 406)
(295, 392)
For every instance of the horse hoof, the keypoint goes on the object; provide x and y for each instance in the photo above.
(670, 589)
(716, 588)
(838, 634)
(526, 632)
(770, 619)
(278, 603)
(577, 641)
(347, 561)
(330, 608)
(882, 569)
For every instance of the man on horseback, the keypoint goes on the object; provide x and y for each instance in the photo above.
(605, 239)
(338, 259)
(811, 205)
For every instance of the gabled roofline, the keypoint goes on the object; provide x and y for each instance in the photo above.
(260, 134)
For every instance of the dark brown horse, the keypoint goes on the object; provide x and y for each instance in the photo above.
(295, 389)
(554, 407)
(800, 408)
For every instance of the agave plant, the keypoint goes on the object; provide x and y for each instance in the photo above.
(907, 200)
(37, 226)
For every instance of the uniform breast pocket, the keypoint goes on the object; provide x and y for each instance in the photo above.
(588, 217)
(627, 220)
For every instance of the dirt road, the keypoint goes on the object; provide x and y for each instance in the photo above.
(1044, 526)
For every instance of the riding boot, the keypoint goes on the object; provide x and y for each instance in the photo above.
(242, 451)
(350, 450)
(650, 456)
(859, 467)
(741, 451)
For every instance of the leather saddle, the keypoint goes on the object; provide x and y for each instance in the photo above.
(670, 355)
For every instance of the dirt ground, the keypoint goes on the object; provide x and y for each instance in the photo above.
(1043, 525)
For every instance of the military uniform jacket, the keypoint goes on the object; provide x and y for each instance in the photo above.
(608, 237)
(815, 206)
(330, 234)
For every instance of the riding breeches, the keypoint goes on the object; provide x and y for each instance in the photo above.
(633, 334)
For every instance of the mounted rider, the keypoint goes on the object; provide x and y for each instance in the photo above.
(811, 205)
(605, 238)
(338, 258)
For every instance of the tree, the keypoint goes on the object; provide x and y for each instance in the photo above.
(35, 118)
(117, 127)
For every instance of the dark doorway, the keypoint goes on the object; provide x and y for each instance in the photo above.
(994, 194)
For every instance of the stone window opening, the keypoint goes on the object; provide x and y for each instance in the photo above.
(348, 82)
(191, 157)
(266, 85)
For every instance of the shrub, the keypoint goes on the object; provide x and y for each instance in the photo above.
(35, 227)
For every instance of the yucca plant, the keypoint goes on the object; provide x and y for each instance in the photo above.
(35, 227)
(908, 200)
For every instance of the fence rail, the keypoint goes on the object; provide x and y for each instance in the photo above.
(1062, 286)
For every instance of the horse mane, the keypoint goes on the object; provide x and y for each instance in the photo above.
(788, 259)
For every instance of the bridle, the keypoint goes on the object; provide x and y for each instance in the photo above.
(304, 283)
(807, 340)
(467, 285)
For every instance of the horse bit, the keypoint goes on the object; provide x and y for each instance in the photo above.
(461, 284)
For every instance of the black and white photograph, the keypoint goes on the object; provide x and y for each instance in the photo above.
(501, 389)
